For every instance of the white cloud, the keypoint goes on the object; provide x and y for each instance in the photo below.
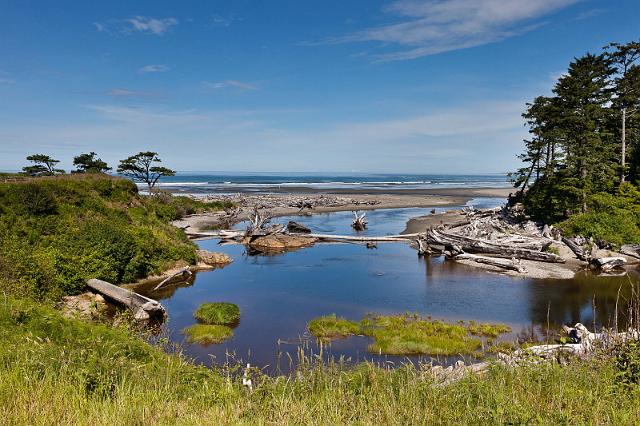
(217, 85)
(428, 27)
(478, 137)
(153, 68)
(141, 24)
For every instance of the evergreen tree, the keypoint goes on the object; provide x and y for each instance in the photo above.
(141, 168)
(42, 165)
(90, 163)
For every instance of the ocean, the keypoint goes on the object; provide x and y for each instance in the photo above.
(211, 182)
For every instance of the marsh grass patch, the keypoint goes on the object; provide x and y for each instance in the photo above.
(218, 313)
(207, 333)
(410, 334)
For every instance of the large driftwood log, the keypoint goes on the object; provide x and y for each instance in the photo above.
(609, 263)
(456, 243)
(391, 238)
(576, 249)
(510, 265)
(143, 308)
(632, 250)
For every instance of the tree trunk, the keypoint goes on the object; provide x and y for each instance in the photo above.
(142, 307)
(624, 143)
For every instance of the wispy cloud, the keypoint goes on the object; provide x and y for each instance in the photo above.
(589, 14)
(141, 24)
(217, 85)
(123, 93)
(429, 27)
(153, 68)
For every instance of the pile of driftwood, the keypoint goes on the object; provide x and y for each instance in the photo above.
(502, 238)
(581, 344)
(359, 222)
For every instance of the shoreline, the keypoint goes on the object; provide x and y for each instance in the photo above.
(285, 203)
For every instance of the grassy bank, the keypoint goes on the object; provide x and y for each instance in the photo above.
(57, 370)
(58, 231)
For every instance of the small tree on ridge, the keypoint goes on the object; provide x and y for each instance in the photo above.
(90, 163)
(141, 168)
(43, 165)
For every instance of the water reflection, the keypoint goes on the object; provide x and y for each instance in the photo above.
(279, 294)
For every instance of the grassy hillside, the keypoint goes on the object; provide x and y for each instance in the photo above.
(56, 232)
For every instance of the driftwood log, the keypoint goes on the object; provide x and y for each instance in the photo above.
(632, 250)
(457, 243)
(576, 249)
(143, 308)
(182, 272)
(359, 222)
(511, 265)
(298, 228)
(609, 263)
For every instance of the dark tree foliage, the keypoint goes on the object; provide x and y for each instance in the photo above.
(581, 135)
(141, 168)
(90, 163)
(42, 165)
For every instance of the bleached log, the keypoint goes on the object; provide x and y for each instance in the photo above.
(576, 249)
(503, 264)
(632, 250)
(363, 239)
(143, 308)
(470, 245)
(609, 263)
(182, 272)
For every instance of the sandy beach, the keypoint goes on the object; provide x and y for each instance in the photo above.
(324, 201)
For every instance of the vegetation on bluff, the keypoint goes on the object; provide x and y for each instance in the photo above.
(582, 161)
(58, 231)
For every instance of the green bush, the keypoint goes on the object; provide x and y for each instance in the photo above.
(57, 232)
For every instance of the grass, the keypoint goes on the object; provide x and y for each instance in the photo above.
(487, 330)
(332, 327)
(206, 334)
(409, 334)
(219, 313)
(67, 371)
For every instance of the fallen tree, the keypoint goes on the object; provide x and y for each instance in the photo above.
(143, 308)
(511, 265)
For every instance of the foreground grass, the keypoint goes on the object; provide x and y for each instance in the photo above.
(55, 370)
(409, 334)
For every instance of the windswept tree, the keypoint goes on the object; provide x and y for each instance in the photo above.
(42, 165)
(143, 167)
(90, 163)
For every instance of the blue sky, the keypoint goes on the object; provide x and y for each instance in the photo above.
(300, 86)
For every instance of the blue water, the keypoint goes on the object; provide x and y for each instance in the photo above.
(203, 182)
(279, 294)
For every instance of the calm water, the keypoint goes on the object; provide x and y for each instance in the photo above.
(279, 294)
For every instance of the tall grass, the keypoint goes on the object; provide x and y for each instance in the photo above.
(55, 370)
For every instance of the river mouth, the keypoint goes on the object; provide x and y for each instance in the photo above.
(279, 294)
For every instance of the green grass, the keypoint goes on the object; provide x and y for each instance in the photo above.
(67, 371)
(332, 327)
(487, 330)
(409, 334)
(206, 334)
(220, 313)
